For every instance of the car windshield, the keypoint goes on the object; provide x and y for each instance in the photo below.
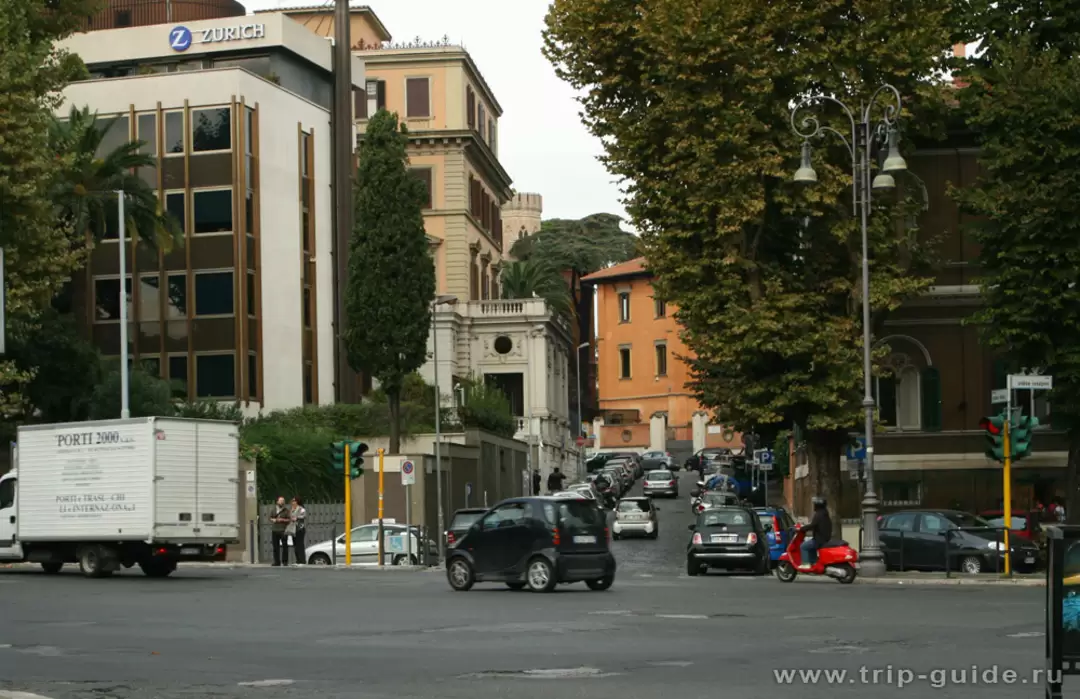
(581, 514)
(633, 506)
(465, 519)
(658, 476)
(724, 518)
(715, 498)
(1017, 522)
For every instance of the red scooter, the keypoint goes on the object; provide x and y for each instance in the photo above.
(839, 561)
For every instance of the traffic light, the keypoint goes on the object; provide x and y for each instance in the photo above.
(995, 436)
(356, 457)
(1020, 436)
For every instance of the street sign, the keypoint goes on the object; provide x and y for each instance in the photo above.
(857, 453)
(580, 441)
(765, 466)
(766, 459)
(1023, 382)
(999, 396)
(408, 472)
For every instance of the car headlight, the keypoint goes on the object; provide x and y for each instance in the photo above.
(995, 546)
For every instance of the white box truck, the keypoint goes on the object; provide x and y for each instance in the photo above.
(111, 493)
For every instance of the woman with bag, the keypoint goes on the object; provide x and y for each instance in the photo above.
(298, 529)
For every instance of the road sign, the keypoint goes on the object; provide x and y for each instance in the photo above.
(580, 441)
(857, 452)
(765, 466)
(1023, 382)
(999, 396)
(408, 472)
(766, 459)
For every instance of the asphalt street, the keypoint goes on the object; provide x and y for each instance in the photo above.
(327, 633)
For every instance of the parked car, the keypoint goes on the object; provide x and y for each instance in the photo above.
(596, 462)
(659, 460)
(916, 539)
(365, 546)
(661, 483)
(1026, 524)
(460, 523)
(588, 489)
(703, 458)
(731, 538)
(605, 486)
(637, 469)
(535, 542)
(627, 466)
(636, 516)
(617, 476)
(716, 498)
(778, 525)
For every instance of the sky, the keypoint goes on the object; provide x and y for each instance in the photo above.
(542, 142)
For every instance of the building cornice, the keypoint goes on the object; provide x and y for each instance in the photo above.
(433, 54)
(475, 149)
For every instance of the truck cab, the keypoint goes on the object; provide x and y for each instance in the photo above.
(10, 548)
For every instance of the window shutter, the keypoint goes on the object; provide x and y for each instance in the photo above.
(417, 98)
(360, 103)
(470, 106)
(380, 94)
(424, 175)
(930, 389)
(886, 400)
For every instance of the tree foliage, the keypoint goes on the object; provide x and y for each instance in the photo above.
(536, 278)
(1024, 102)
(579, 245)
(486, 407)
(39, 254)
(85, 191)
(391, 279)
(691, 101)
(148, 395)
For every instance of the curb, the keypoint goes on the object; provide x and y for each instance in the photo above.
(991, 582)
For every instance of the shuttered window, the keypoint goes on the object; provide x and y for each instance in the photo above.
(930, 389)
(417, 97)
(886, 400)
(470, 106)
(481, 120)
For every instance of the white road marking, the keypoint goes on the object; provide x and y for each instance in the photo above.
(671, 663)
(1027, 634)
(19, 695)
(613, 612)
(682, 616)
(267, 683)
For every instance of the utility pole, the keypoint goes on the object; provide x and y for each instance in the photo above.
(125, 370)
(342, 120)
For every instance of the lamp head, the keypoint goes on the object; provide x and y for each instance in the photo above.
(883, 182)
(894, 162)
(805, 174)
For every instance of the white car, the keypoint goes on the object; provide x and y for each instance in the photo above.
(365, 546)
(635, 516)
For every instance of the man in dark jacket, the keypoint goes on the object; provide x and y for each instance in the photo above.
(821, 528)
(536, 481)
(555, 481)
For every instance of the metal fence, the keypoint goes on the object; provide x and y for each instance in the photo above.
(953, 553)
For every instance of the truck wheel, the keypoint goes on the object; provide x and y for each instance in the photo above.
(52, 567)
(92, 562)
(158, 569)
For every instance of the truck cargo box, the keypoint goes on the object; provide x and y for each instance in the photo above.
(140, 479)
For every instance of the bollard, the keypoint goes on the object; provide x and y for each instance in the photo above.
(333, 549)
(252, 542)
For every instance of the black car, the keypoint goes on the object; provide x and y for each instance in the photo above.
(731, 538)
(916, 540)
(535, 542)
(460, 523)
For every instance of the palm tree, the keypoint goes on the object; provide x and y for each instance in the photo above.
(86, 191)
(534, 279)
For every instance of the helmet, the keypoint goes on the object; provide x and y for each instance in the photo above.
(819, 502)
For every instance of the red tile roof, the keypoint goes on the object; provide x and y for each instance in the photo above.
(632, 268)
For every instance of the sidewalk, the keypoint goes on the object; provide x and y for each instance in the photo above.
(1035, 580)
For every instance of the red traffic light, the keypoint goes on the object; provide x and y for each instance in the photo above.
(988, 424)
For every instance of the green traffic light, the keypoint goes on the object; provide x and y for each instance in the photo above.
(1020, 436)
(337, 456)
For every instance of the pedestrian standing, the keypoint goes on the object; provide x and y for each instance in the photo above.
(555, 481)
(279, 524)
(536, 481)
(299, 529)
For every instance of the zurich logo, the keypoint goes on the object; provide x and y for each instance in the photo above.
(180, 38)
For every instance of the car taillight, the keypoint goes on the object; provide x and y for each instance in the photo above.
(697, 538)
(751, 539)
(449, 537)
(672, 482)
(700, 509)
(776, 528)
(555, 539)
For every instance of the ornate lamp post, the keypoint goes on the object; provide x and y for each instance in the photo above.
(868, 136)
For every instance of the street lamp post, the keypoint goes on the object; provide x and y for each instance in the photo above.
(125, 370)
(580, 412)
(439, 300)
(866, 135)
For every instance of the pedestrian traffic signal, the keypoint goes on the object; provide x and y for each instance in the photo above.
(995, 436)
(355, 457)
(1020, 436)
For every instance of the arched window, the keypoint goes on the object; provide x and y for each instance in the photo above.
(909, 397)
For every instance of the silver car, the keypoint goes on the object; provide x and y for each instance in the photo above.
(635, 516)
(658, 460)
(661, 483)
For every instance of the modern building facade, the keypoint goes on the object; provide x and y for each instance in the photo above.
(236, 113)
(452, 116)
(644, 402)
(118, 14)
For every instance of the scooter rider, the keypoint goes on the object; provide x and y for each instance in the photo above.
(821, 528)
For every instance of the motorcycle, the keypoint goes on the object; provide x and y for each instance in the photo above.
(837, 559)
(695, 498)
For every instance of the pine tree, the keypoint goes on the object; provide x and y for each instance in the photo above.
(391, 279)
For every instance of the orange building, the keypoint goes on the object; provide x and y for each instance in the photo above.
(644, 402)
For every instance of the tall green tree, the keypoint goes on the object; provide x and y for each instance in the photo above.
(536, 278)
(67, 368)
(1024, 102)
(691, 101)
(39, 252)
(86, 189)
(391, 280)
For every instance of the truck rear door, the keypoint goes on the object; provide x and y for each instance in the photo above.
(217, 468)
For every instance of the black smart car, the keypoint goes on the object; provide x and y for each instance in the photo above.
(731, 538)
(536, 542)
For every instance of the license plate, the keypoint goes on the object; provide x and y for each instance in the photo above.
(191, 551)
(1029, 560)
(723, 538)
(584, 539)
